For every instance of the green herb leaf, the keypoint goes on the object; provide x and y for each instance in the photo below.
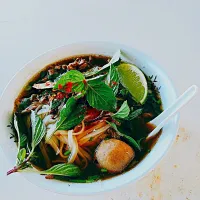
(21, 156)
(38, 130)
(100, 96)
(112, 79)
(73, 76)
(53, 76)
(128, 138)
(123, 112)
(67, 152)
(66, 111)
(24, 104)
(56, 103)
(134, 114)
(22, 138)
(93, 178)
(75, 118)
(69, 170)
(104, 170)
(124, 92)
(91, 138)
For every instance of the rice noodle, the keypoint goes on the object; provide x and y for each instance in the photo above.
(94, 133)
(77, 142)
(54, 144)
(61, 151)
(82, 129)
(61, 132)
(97, 126)
(73, 146)
(85, 153)
(77, 160)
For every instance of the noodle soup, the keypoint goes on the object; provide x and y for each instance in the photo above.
(80, 120)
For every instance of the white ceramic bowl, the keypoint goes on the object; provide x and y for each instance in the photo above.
(168, 95)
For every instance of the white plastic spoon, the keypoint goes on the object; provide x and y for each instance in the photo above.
(166, 115)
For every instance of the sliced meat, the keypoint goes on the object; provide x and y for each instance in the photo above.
(79, 63)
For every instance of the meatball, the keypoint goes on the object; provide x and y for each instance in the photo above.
(114, 155)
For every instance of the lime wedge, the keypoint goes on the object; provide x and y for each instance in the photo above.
(134, 81)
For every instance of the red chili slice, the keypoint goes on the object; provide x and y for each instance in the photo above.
(68, 88)
(84, 81)
(60, 95)
(60, 86)
(92, 113)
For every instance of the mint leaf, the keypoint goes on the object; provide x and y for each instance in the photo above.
(123, 112)
(21, 156)
(38, 130)
(128, 138)
(112, 79)
(134, 114)
(22, 138)
(69, 170)
(74, 77)
(100, 96)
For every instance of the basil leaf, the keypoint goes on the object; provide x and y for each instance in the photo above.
(22, 138)
(134, 114)
(123, 112)
(96, 70)
(100, 96)
(112, 79)
(128, 138)
(38, 130)
(66, 111)
(21, 156)
(70, 170)
(74, 77)
(75, 118)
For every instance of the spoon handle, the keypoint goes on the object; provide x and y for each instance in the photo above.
(164, 117)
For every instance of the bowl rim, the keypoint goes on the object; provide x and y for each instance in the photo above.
(156, 65)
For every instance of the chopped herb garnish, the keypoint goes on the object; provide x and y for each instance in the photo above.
(104, 170)
(67, 152)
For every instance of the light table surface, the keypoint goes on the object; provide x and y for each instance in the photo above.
(167, 30)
